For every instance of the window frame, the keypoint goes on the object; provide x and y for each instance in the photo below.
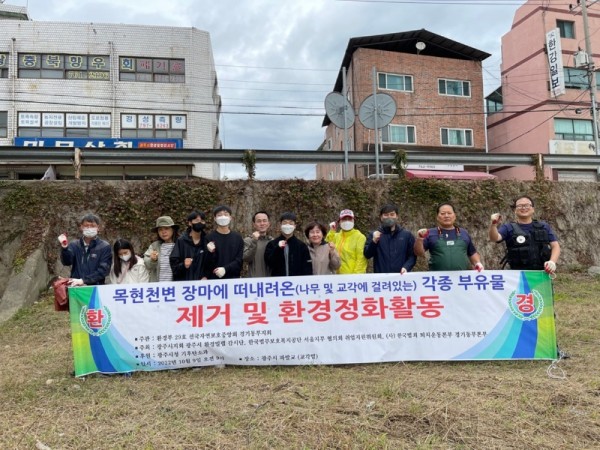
(463, 131)
(560, 24)
(573, 136)
(399, 75)
(387, 130)
(463, 83)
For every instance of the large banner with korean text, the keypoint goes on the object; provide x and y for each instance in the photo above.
(336, 319)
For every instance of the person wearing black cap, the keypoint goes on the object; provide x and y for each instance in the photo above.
(157, 256)
(287, 255)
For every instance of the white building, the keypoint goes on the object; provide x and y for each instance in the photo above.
(109, 85)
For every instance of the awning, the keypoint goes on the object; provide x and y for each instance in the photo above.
(447, 175)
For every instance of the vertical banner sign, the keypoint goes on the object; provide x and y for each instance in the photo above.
(329, 319)
(555, 64)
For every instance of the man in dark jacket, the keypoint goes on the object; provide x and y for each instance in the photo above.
(90, 257)
(391, 245)
(188, 258)
(286, 255)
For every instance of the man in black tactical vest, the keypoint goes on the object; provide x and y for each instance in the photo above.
(530, 244)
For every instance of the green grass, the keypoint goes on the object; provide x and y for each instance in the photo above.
(425, 405)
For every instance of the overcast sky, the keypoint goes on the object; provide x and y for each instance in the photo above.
(276, 60)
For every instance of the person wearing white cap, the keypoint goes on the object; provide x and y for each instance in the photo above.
(157, 256)
(349, 243)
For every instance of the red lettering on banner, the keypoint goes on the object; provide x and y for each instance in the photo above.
(94, 318)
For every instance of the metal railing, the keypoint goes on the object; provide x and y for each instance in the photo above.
(10, 156)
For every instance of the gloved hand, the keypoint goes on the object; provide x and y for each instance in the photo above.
(550, 267)
(423, 233)
(64, 243)
(211, 247)
(402, 271)
(376, 236)
(219, 271)
(282, 243)
(333, 226)
(496, 218)
(479, 267)
(73, 282)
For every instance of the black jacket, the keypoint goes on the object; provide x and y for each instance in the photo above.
(299, 261)
(185, 248)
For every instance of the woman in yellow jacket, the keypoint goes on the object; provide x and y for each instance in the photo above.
(349, 243)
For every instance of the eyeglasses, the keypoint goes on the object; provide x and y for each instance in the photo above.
(524, 206)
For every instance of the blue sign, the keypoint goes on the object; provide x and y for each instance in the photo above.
(147, 144)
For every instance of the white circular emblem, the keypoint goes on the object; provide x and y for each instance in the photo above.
(520, 239)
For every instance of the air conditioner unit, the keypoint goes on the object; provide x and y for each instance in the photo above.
(582, 59)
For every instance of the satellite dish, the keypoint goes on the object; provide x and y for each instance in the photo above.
(339, 110)
(381, 105)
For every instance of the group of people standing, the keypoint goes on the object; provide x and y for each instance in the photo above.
(339, 248)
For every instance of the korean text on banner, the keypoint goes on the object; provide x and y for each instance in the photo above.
(335, 319)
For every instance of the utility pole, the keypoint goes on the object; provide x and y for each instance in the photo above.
(591, 73)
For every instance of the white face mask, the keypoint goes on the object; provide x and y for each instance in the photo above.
(90, 232)
(287, 229)
(223, 221)
(126, 257)
(347, 225)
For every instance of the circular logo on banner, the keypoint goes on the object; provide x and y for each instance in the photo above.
(520, 239)
(526, 306)
(95, 321)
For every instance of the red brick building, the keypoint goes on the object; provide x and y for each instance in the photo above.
(437, 87)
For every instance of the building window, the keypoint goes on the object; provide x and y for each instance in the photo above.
(395, 82)
(567, 29)
(3, 65)
(573, 130)
(457, 137)
(3, 124)
(399, 134)
(575, 78)
(158, 70)
(153, 126)
(454, 87)
(58, 124)
(70, 67)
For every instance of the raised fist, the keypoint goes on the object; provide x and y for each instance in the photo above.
(211, 247)
(376, 236)
(550, 267)
(282, 243)
(496, 218)
(423, 233)
(64, 243)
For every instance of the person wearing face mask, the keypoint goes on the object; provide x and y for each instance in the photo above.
(324, 256)
(157, 257)
(127, 267)
(188, 257)
(391, 246)
(254, 246)
(450, 247)
(286, 255)
(90, 257)
(349, 242)
(226, 247)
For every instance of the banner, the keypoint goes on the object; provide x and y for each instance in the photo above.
(555, 63)
(108, 143)
(335, 319)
